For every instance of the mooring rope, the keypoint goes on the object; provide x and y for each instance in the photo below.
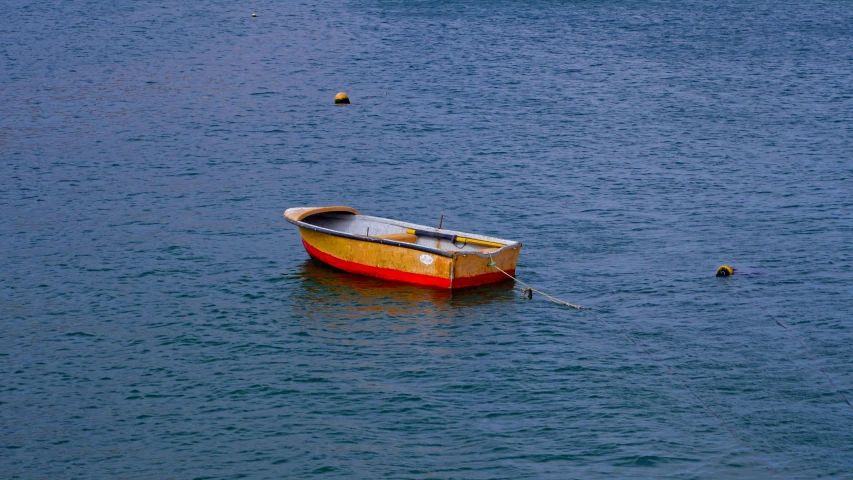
(797, 337)
(639, 346)
(531, 289)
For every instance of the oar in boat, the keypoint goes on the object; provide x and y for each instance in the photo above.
(452, 238)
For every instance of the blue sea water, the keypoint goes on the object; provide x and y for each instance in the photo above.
(159, 318)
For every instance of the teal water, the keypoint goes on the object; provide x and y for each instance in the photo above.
(161, 320)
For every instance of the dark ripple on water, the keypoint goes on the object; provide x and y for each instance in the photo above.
(162, 321)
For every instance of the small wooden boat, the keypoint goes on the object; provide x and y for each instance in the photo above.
(401, 251)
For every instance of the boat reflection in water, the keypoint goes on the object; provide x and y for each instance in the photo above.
(337, 298)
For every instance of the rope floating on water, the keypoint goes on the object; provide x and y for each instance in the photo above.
(528, 292)
(802, 344)
(639, 346)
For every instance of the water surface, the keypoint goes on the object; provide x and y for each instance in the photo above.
(161, 320)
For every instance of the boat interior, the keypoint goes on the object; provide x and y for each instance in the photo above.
(386, 229)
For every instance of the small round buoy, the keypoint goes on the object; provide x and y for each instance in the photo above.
(341, 98)
(254, 14)
(725, 271)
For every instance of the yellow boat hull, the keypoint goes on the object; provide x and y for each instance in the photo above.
(392, 257)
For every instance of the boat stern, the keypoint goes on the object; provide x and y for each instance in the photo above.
(471, 269)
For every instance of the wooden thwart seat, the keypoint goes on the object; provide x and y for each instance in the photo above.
(399, 237)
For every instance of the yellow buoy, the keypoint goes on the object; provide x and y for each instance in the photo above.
(341, 98)
(725, 271)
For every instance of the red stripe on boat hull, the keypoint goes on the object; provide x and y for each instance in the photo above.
(483, 279)
(398, 276)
